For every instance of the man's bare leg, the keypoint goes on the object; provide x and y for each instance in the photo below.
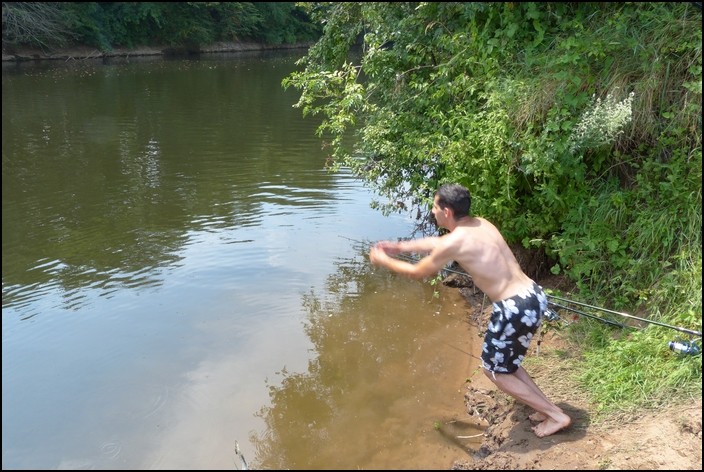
(523, 375)
(521, 387)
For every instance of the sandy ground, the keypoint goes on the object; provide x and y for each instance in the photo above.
(670, 439)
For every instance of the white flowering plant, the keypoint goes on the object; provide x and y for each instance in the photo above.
(601, 123)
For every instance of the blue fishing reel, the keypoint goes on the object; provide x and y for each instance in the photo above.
(685, 348)
(550, 315)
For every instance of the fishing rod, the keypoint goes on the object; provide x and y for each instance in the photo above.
(553, 316)
(680, 346)
(685, 347)
(626, 315)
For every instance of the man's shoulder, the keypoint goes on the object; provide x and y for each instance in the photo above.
(458, 237)
(477, 231)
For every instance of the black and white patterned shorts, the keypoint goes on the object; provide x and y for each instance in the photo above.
(513, 323)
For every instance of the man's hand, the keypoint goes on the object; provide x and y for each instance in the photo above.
(378, 255)
(391, 248)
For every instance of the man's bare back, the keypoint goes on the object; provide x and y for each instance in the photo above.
(482, 252)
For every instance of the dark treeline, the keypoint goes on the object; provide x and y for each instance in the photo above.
(184, 25)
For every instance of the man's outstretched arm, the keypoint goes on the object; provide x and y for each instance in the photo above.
(420, 246)
(426, 267)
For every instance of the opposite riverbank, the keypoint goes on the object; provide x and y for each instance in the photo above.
(24, 54)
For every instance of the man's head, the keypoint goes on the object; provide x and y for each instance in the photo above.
(452, 197)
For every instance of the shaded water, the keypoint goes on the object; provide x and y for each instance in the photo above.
(177, 276)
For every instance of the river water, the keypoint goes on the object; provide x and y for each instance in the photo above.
(181, 273)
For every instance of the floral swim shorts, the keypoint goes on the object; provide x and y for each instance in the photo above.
(513, 323)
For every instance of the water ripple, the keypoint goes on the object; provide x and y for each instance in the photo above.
(111, 449)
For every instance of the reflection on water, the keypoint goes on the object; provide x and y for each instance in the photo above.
(175, 280)
(389, 367)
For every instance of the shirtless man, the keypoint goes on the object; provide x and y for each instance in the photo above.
(518, 302)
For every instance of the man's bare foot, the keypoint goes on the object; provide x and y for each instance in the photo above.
(538, 416)
(550, 426)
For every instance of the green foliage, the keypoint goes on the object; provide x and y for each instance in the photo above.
(282, 23)
(110, 24)
(576, 126)
(106, 25)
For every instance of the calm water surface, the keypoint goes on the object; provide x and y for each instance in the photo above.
(180, 272)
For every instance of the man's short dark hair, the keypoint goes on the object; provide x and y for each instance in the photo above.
(456, 197)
